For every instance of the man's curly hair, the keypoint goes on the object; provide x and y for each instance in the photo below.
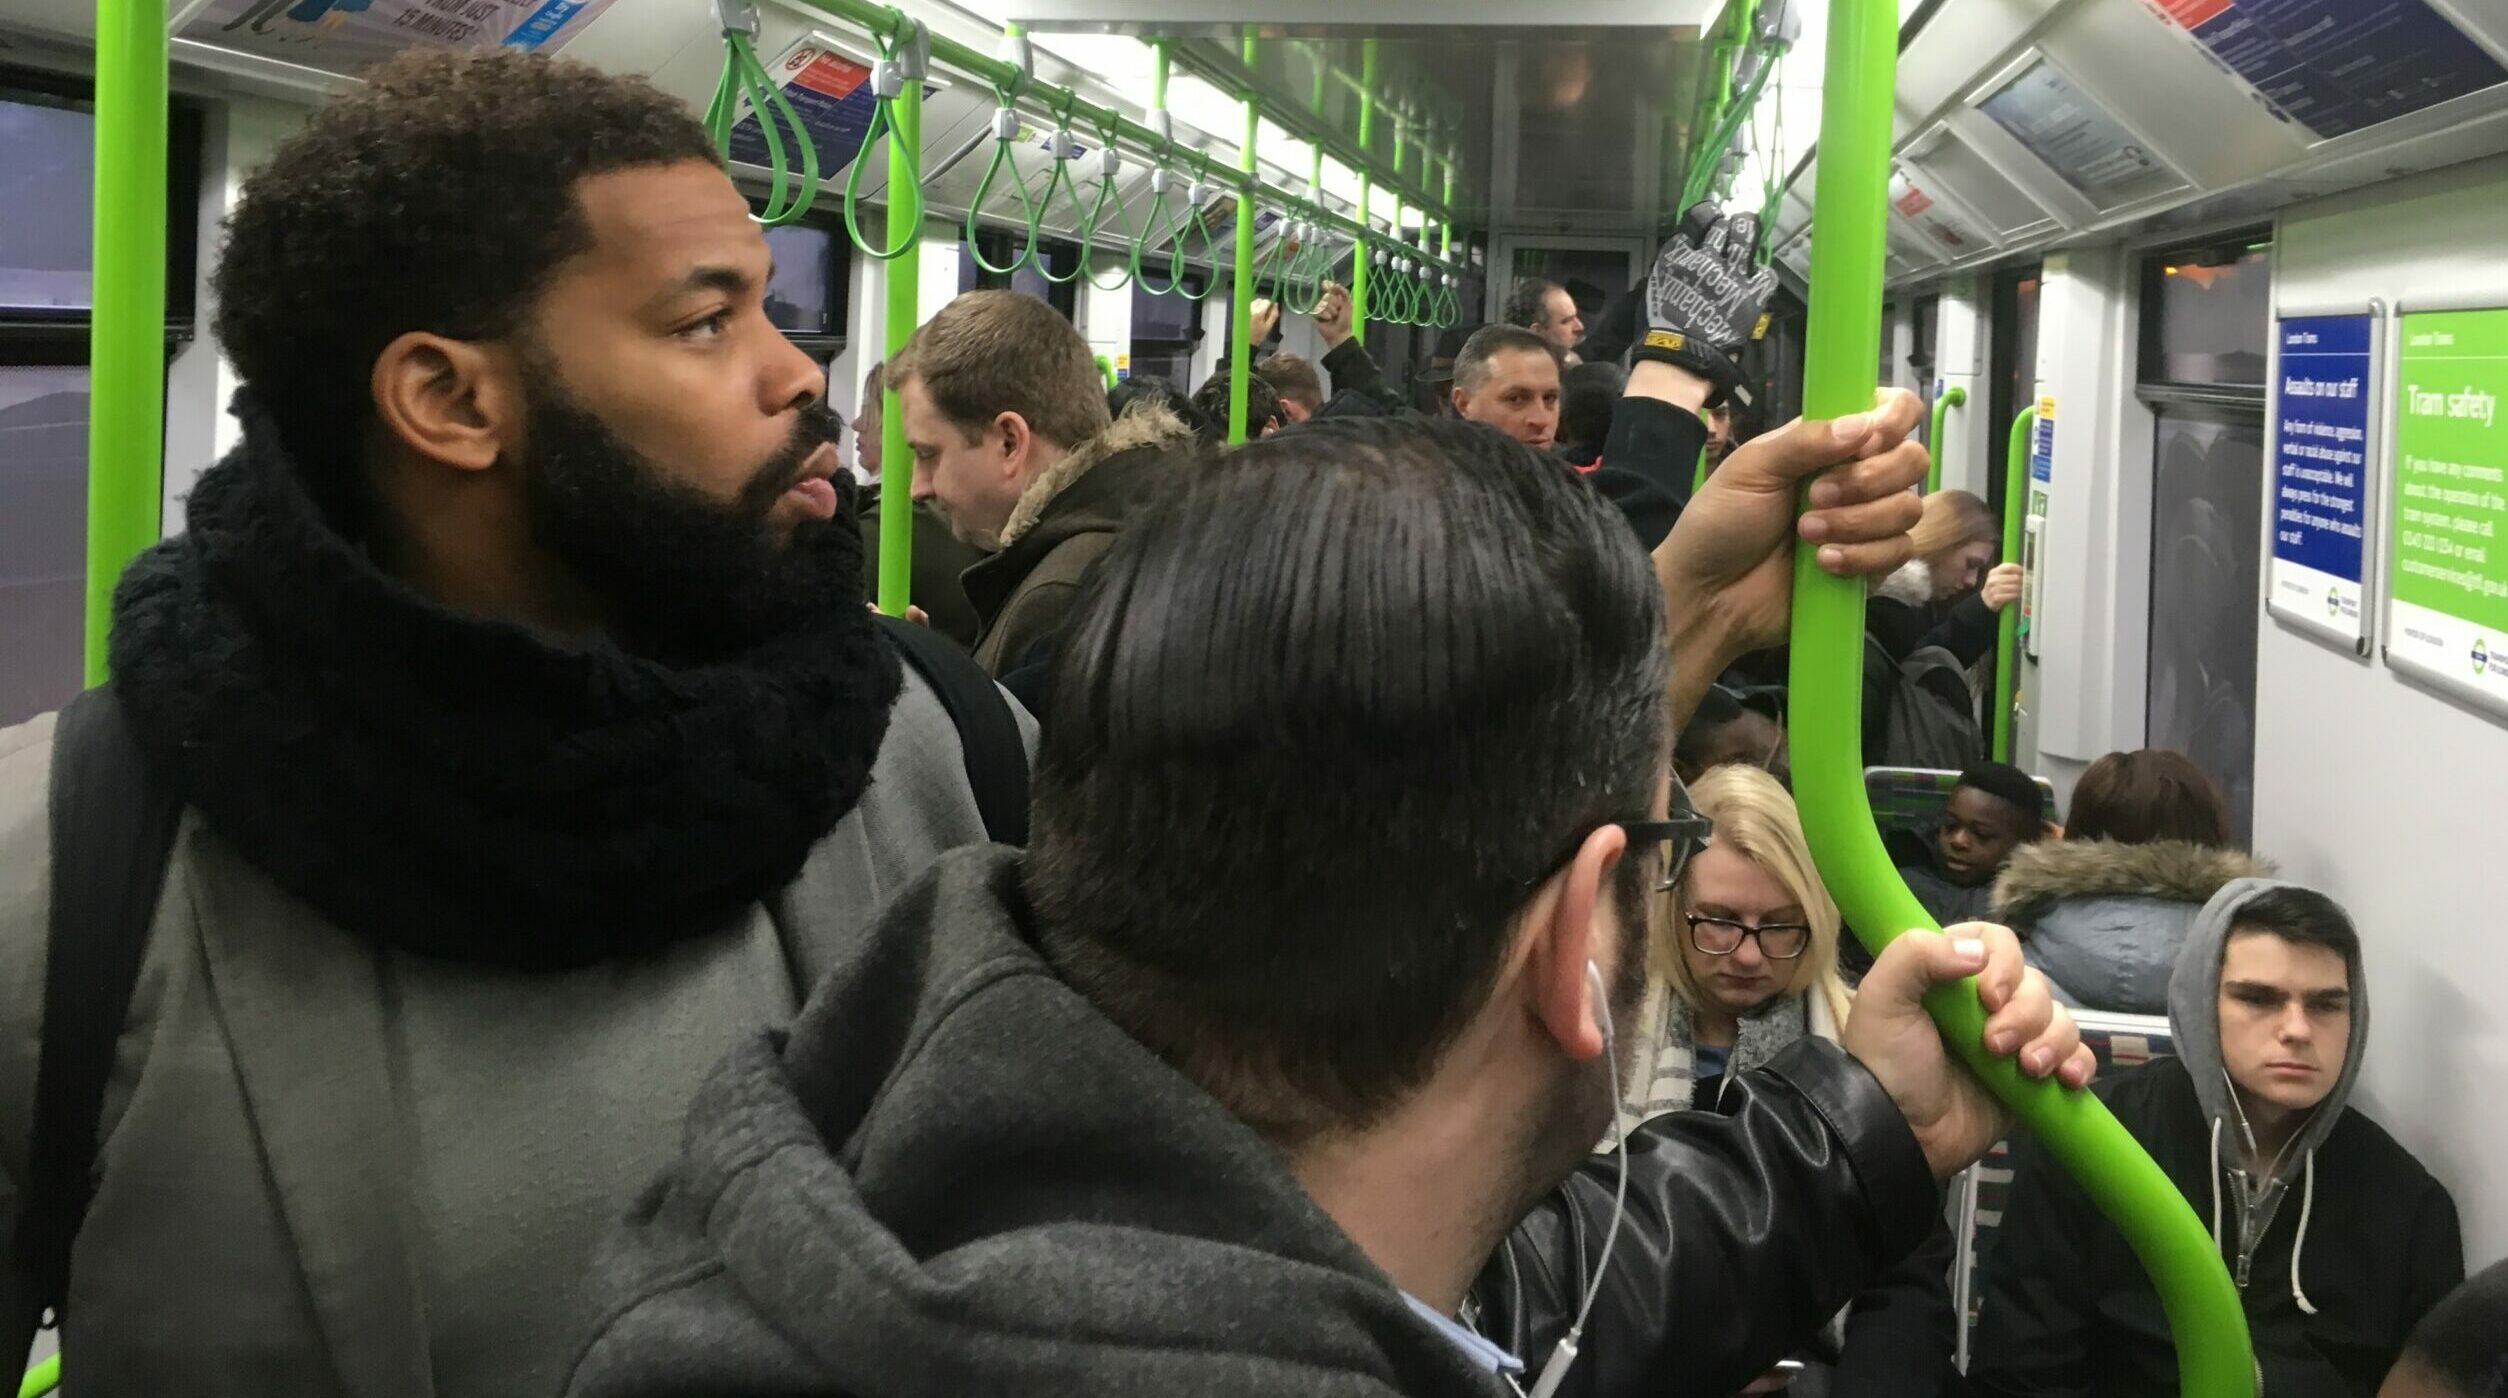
(438, 197)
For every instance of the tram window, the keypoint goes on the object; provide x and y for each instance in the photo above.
(1000, 245)
(43, 531)
(47, 167)
(2207, 513)
(805, 296)
(2205, 315)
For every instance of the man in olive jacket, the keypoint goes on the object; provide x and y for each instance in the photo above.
(1006, 414)
(534, 744)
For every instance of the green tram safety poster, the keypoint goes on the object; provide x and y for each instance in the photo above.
(2448, 620)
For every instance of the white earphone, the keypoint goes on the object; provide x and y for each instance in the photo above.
(1563, 1358)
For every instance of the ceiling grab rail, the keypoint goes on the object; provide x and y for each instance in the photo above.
(1952, 397)
(1843, 340)
(1017, 52)
(2007, 625)
(905, 61)
(745, 78)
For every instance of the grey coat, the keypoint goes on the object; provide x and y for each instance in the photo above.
(2105, 921)
(328, 1169)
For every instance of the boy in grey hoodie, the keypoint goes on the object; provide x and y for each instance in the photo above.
(2269, 1006)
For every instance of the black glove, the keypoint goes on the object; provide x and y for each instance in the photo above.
(1705, 299)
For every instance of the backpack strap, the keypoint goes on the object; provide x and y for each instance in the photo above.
(988, 733)
(113, 822)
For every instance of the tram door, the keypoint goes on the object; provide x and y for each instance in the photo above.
(2205, 318)
(1594, 270)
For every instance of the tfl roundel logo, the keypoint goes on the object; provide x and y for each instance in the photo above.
(2481, 655)
(2333, 601)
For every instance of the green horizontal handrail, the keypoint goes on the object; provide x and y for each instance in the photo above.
(2214, 1358)
(1952, 397)
(2007, 626)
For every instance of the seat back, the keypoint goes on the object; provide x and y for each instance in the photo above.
(2118, 1042)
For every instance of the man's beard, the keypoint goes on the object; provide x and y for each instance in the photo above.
(684, 577)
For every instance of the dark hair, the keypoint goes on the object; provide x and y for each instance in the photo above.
(1471, 367)
(1319, 724)
(1589, 395)
(2014, 788)
(1527, 302)
(2135, 798)
(2301, 916)
(1295, 380)
(2463, 1341)
(1123, 395)
(438, 196)
(1717, 709)
(1262, 403)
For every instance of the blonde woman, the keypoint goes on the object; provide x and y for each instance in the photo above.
(1946, 597)
(1744, 964)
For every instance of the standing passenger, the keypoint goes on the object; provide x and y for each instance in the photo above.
(534, 741)
(2340, 1242)
(1006, 413)
(938, 557)
(1507, 377)
(1549, 311)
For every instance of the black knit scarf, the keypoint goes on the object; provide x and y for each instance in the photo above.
(460, 787)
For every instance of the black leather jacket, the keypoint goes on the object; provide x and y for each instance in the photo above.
(1745, 1233)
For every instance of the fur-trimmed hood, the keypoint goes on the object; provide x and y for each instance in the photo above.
(1911, 584)
(2042, 874)
(1147, 423)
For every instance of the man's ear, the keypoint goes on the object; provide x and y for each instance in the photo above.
(1573, 936)
(452, 401)
(1016, 442)
(1462, 399)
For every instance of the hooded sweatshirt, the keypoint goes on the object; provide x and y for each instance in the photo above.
(958, 1178)
(2105, 921)
(2333, 1279)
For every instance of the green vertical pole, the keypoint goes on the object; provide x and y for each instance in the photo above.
(2007, 626)
(126, 361)
(1844, 331)
(1241, 304)
(1952, 397)
(1367, 188)
(903, 276)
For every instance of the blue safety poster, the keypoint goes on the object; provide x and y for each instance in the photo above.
(2321, 410)
(2042, 442)
(2335, 66)
(832, 95)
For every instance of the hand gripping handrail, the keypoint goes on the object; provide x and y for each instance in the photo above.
(2214, 1358)
(2007, 626)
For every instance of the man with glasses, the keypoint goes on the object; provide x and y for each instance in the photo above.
(1303, 995)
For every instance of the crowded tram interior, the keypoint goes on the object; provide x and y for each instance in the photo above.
(1323, 697)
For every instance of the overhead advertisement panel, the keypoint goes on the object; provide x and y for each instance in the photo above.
(2335, 66)
(2447, 619)
(830, 90)
(350, 36)
(2323, 385)
(2077, 138)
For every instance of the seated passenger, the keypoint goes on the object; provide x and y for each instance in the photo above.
(1507, 377)
(1745, 965)
(2104, 915)
(1137, 1112)
(2339, 1240)
(2460, 1349)
(1995, 810)
(1006, 413)
(534, 744)
(1588, 395)
(1944, 600)
(1725, 730)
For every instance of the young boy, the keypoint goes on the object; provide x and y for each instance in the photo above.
(1995, 809)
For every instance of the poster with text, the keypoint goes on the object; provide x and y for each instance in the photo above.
(832, 94)
(350, 36)
(2335, 66)
(2447, 619)
(2322, 387)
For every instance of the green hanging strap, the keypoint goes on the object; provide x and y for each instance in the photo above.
(745, 78)
(904, 59)
(1109, 177)
(1197, 194)
(1005, 135)
(1066, 149)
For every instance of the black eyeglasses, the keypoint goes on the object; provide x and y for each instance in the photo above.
(1722, 936)
(1682, 834)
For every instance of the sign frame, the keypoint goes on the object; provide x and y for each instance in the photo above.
(2488, 702)
(2376, 472)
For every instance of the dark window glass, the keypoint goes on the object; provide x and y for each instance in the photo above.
(800, 298)
(47, 168)
(2206, 313)
(43, 536)
(2207, 513)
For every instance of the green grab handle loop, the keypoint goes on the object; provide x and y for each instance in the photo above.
(1952, 397)
(1159, 218)
(2007, 626)
(41, 1379)
(1177, 259)
(984, 187)
(884, 119)
(1124, 267)
(1275, 266)
(735, 84)
(2202, 1304)
(780, 212)
(1061, 179)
